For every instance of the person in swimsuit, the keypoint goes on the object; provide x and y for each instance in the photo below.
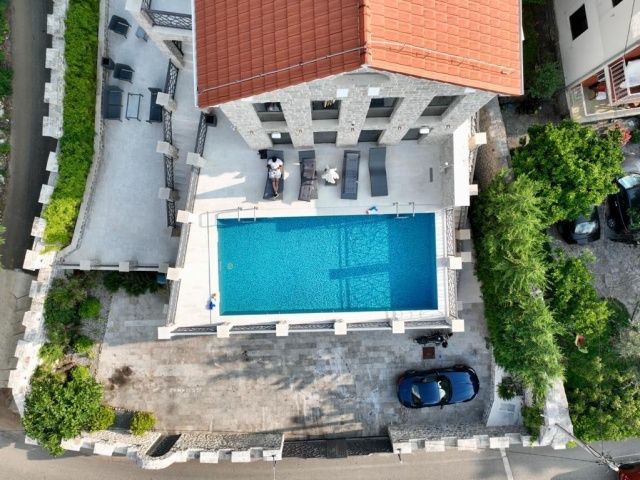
(275, 166)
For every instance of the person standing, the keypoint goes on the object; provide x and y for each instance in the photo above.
(275, 166)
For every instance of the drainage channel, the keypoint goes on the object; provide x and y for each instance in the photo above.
(336, 448)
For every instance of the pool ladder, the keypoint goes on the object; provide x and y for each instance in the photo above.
(240, 209)
(413, 210)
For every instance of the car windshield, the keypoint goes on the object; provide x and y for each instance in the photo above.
(586, 228)
(431, 390)
(630, 181)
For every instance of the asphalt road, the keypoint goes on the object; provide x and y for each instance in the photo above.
(29, 149)
(23, 462)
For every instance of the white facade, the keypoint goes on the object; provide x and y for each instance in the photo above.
(604, 40)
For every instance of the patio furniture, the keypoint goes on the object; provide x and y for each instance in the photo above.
(378, 171)
(308, 176)
(119, 25)
(133, 106)
(141, 34)
(108, 63)
(268, 188)
(155, 110)
(350, 173)
(111, 102)
(123, 72)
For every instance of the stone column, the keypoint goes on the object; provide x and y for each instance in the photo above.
(167, 149)
(167, 102)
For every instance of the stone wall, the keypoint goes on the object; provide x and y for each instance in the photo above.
(494, 156)
(355, 90)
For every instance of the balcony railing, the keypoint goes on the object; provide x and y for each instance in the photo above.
(619, 93)
(160, 18)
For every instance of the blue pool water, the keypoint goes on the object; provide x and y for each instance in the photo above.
(326, 264)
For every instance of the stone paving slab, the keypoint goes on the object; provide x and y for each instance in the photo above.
(306, 385)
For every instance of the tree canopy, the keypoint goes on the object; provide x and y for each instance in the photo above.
(574, 166)
(58, 407)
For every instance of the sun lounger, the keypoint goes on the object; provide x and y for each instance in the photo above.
(378, 171)
(268, 188)
(350, 173)
(308, 176)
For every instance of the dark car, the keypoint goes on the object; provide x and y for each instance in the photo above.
(624, 206)
(582, 229)
(440, 387)
(629, 472)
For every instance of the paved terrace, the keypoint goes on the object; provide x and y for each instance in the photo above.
(235, 176)
(305, 385)
(126, 221)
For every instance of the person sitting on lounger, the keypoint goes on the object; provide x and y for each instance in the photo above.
(274, 164)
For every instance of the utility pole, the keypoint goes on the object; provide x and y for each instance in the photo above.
(603, 459)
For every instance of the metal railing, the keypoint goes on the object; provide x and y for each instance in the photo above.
(452, 275)
(201, 137)
(160, 18)
(166, 126)
(171, 213)
(172, 79)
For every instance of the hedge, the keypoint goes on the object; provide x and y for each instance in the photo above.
(76, 144)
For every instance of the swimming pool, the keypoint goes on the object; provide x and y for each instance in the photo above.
(327, 264)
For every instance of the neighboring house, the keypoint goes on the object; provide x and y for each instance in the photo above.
(600, 47)
(334, 74)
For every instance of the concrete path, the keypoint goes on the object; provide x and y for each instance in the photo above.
(29, 149)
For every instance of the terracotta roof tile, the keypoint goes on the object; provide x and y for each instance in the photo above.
(248, 47)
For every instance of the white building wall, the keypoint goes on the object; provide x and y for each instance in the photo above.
(604, 40)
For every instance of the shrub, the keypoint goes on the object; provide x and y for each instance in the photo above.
(59, 407)
(142, 422)
(546, 80)
(509, 388)
(83, 345)
(112, 281)
(76, 144)
(635, 137)
(50, 353)
(104, 418)
(90, 308)
(533, 419)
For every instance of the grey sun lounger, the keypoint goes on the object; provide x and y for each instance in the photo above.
(155, 110)
(378, 171)
(350, 174)
(123, 72)
(268, 188)
(308, 176)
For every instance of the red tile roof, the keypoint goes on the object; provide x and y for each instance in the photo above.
(248, 47)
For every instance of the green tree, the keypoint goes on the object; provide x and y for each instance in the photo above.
(574, 166)
(546, 80)
(59, 407)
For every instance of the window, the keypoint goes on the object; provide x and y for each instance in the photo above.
(381, 107)
(369, 135)
(269, 111)
(439, 105)
(285, 139)
(412, 134)
(325, 137)
(578, 22)
(325, 110)
(616, 2)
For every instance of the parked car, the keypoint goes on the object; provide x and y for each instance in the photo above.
(624, 206)
(629, 472)
(582, 229)
(440, 387)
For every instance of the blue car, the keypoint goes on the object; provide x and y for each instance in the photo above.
(440, 387)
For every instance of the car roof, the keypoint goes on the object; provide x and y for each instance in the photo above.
(631, 165)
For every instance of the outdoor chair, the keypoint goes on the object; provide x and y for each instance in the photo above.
(155, 110)
(308, 176)
(123, 72)
(350, 173)
(119, 25)
(111, 102)
(378, 171)
(268, 188)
